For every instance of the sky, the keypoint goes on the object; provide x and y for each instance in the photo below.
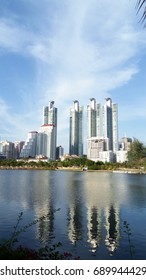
(63, 50)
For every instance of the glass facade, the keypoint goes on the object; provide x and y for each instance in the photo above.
(43, 142)
(110, 123)
(76, 130)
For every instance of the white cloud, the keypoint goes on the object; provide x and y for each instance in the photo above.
(14, 126)
(82, 49)
(75, 54)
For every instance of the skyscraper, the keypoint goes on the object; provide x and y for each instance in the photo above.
(93, 119)
(49, 127)
(110, 123)
(43, 142)
(76, 130)
(102, 133)
(91, 116)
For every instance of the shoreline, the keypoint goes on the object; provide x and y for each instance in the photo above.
(78, 169)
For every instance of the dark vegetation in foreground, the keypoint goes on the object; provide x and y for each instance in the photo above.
(9, 250)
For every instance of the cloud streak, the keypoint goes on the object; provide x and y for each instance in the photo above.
(80, 50)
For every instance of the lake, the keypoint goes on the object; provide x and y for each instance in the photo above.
(93, 207)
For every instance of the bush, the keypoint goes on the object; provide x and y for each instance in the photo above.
(9, 251)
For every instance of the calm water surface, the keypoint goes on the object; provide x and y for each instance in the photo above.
(93, 208)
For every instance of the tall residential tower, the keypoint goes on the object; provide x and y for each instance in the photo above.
(49, 129)
(102, 135)
(93, 119)
(76, 130)
(110, 123)
(43, 142)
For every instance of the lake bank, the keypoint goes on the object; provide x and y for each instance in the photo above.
(73, 168)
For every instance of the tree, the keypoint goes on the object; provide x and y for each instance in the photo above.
(141, 4)
(137, 151)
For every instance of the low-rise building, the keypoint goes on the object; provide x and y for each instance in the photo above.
(29, 148)
(107, 156)
(95, 146)
(125, 144)
(121, 156)
(7, 149)
(59, 152)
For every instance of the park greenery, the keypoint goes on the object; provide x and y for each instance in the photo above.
(136, 160)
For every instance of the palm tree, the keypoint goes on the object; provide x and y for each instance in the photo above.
(142, 4)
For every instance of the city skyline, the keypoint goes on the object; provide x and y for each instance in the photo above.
(64, 51)
(101, 125)
(101, 139)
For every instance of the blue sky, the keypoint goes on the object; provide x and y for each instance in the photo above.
(63, 50)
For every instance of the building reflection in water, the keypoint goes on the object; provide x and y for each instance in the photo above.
(112, 226)
(94, 227)
(90, 214)
(99, 221)
(45, 226)
(103, 214)
(75, 210)
(45, 207)
(92, 204)
(75, 228)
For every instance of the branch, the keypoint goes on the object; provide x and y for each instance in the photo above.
(139, 5)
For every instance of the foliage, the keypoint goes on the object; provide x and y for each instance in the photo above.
(137, 151)
(23, 253)
(24, 164)
(8, 250)
(141, 4)
(127, 230)
(136, 160)
(77, 162)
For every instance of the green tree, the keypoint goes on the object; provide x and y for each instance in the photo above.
(137, 151)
